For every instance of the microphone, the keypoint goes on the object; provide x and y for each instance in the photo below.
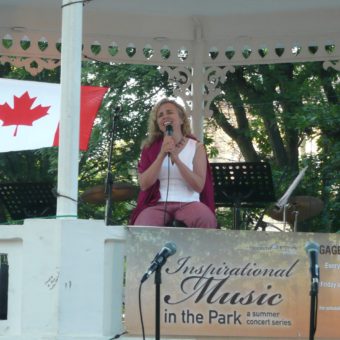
(160, 259)
(169, 129)
(117, 110)
(312, 249)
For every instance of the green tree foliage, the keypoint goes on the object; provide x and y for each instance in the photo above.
(276, 108)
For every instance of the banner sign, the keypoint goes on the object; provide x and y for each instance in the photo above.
(233, 283)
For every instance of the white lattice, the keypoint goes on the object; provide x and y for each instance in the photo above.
(39, 48)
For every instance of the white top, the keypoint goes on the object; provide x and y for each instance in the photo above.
(179, 191)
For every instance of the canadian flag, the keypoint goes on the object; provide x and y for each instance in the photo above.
(30, 114)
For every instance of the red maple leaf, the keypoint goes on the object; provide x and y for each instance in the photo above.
(22, 112)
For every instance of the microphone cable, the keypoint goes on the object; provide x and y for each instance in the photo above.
(167, 192)
(169, 131)
(140, 309)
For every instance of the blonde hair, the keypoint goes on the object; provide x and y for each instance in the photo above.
(153, 129)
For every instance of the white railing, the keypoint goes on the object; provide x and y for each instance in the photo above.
(65, 279)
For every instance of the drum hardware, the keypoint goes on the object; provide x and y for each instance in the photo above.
(120, 192)
(297, 209)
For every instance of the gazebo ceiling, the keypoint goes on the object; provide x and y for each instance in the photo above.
(163, 32)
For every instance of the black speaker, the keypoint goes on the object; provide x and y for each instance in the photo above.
(3, 286)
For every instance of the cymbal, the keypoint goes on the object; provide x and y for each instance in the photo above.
(307, 207)
(120, 192)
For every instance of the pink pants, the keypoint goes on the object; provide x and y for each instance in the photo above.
(192, 214)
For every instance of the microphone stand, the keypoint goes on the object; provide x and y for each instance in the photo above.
(313, 308)
(109, 176)
(158, 281)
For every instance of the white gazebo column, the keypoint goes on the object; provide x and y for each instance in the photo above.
(72, 18)
(198, 83)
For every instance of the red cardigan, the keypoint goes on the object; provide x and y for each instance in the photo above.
(151, 196)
